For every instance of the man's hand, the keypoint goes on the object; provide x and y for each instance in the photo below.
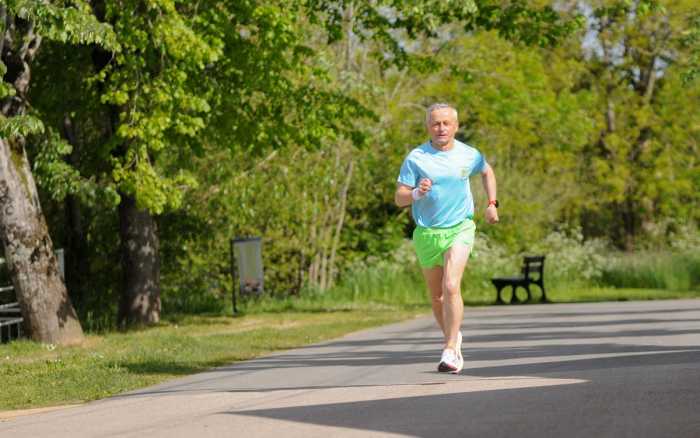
(424, 186)
(492, 214)
(406, 194)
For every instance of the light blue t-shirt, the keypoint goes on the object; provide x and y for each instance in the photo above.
(449, 201)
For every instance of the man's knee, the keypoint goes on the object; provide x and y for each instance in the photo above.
(451, 287)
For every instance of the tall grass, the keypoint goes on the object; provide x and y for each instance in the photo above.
(664, 270)
(383, 284)
(376, 283)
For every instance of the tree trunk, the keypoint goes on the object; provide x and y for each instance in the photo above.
(44, 302)
(47, 310)
(140, 300)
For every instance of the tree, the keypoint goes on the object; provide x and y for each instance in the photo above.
(154, 105)
(44, 302)
(635, 50)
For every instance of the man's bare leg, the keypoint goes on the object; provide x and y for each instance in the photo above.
(433, 278)
(453, 307)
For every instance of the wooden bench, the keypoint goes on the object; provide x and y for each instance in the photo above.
(11, 320)
(532, 273)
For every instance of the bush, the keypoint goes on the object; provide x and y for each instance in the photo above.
(487, 260)
(571, 259)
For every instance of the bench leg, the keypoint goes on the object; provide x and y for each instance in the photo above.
(499, 300)
(514, 298)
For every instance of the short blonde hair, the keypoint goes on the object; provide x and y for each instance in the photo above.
(438, 106)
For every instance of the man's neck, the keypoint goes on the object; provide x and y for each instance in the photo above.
(444, 148)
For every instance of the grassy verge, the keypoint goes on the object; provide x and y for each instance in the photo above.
(35, 375)
(582, 295)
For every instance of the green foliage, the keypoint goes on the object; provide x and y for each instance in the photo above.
(20, 126)
(285, 198)
(270, 89)
(614, 150)
(517, 106)
(61, 179)
(634, 164)
(153, 82)
(71, 22)
(392, 22)
(6, 90)
(66, 22)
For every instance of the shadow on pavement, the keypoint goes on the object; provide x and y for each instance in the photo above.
(586, 409)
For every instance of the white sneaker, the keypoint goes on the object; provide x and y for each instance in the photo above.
(450, 362)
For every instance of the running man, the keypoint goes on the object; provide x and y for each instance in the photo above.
(434, 180)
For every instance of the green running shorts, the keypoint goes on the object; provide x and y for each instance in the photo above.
(431, 243)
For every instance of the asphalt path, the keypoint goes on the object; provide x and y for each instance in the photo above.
(629, 369)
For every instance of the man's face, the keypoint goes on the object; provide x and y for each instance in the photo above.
(442, 126)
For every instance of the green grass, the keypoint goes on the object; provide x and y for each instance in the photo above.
(598, 294)
(35, 375)
(580, 294)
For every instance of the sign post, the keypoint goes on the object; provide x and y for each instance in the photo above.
(246, 259)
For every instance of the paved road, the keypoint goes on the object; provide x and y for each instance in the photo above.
(583, 370)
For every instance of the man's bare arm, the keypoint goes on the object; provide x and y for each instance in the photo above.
(403, 196)
(488, 178)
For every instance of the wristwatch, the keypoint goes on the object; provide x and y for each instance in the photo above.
(494, 203)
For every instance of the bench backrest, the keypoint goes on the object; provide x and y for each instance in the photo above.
(10, 313)
(5, 282)
(8, 300)
(533, 265)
